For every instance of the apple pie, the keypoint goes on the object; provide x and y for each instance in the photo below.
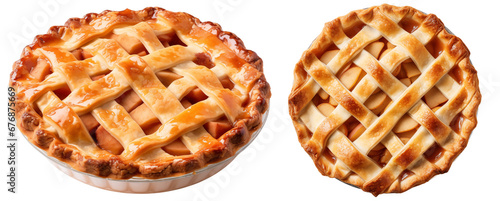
(385, 98)
(148, 93)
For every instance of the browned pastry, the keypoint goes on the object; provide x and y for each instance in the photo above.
(148, 93)
(385, 98)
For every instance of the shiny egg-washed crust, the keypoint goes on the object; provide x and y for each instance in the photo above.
(105, 164)
(381, 181)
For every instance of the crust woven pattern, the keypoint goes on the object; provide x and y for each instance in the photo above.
(408, 162)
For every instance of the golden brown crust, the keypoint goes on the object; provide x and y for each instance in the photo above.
(310, 71)
(90, 27)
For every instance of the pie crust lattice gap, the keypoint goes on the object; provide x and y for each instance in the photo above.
(385, 98)
(148, 93)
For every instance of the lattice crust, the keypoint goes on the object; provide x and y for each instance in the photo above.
(148, 93)
(385, 98)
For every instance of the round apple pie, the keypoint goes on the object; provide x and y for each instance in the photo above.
(148, 93)
(385, 98)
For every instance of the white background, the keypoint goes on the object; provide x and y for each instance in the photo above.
(278, 168)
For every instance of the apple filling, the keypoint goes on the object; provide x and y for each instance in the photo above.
(81, 54)
(41, 70)
(62, 92)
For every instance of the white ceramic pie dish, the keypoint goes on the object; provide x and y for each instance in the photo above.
(142, 185)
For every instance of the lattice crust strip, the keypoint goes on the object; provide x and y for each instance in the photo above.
(352, 156)
(128, 60)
